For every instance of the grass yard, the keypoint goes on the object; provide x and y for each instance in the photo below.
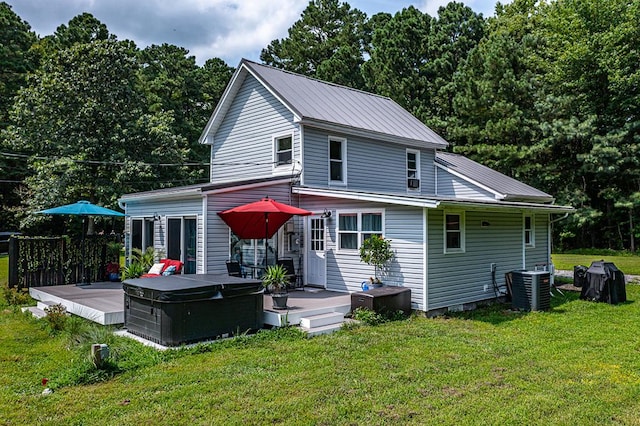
(629, 264)
(577, 364)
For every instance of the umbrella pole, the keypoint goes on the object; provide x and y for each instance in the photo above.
(266, 241)
(83, 270)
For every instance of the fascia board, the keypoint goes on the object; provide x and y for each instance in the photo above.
(379, 198)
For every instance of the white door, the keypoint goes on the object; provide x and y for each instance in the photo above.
(316, 265)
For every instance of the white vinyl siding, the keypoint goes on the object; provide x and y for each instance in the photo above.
(243, 145)
(449, 185)
(371, 165)
(185, 207)
(218, 231)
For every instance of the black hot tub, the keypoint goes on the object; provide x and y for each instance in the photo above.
(182, 309)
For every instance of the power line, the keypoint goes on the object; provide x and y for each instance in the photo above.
(122, 163)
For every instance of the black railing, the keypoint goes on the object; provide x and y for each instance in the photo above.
(47, 261)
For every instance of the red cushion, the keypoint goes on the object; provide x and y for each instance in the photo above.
(169, 262)
(150, 275)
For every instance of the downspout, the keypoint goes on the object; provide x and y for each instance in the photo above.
(551, 222)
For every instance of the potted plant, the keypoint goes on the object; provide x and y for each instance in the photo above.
(376, 251)
(113, 271)
(275, 280)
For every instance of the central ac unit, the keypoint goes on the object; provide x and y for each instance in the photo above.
(531, 290)
(413, 183)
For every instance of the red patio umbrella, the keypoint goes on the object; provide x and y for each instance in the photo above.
(260, 219)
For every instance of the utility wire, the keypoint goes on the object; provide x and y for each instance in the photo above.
(122, 163)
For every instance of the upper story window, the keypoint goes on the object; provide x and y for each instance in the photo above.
(454, 230)
(413, 170)
(283, 150)
(337, 160)
(355, 227)
(529, 235)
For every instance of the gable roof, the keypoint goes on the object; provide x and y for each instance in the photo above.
(330, 106)
(505, 187)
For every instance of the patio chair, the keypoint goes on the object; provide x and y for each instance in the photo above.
(234, 269)
(287, 263)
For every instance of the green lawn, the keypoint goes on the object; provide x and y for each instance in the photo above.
(628, 264)
(4, 269)
(577, 364)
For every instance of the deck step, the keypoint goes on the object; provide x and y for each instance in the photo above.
(324, 329)
(35, 311)
(43, 304)
(320, 320)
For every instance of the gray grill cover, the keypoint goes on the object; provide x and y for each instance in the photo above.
(604, 283)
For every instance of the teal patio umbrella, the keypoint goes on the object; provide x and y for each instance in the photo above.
(83, 209)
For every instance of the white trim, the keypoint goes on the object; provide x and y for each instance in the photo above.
(301, 127)
(463, 232)
(241, 187)
(358, 212)
(497, 194)
(343, 148)
(361, 196)
(417, 153)
(425, 259)
(283, 168)
(205, 219)
(532, 241)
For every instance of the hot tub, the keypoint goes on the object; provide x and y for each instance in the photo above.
(181, 309)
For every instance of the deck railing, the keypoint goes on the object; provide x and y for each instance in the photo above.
(46, 261)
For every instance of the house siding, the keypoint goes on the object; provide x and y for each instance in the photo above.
(371, 165)
(190, 207)
(243, 144)
(449, 185)
(218, 231)
(403, 225)
(540, 252)
(458, 278)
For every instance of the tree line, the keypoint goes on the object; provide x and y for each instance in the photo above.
(546, 92)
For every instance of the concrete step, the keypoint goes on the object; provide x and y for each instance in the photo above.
(324, 329)
(314, 321)
(43, 304)
(35, 311)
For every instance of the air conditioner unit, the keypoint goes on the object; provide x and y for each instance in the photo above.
(413, 183)
(531, 290)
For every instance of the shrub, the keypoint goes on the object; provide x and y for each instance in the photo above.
(370, 317)
(56, 317)
(16, 297)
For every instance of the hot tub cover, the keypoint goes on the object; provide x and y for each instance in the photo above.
(178, 288)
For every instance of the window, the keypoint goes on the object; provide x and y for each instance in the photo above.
(182, 242)
(142, 233)
(529, 238)
(283, 150)
(453, 232)
(337, 160)
(413, 169)
(354, 228)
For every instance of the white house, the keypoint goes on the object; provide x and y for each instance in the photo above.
(364, 166)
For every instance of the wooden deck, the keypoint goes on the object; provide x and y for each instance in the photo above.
(103, 303)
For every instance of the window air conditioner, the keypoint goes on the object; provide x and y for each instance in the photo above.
(413, 183)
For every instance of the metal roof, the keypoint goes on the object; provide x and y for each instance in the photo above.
(507, 187)
(321, 104)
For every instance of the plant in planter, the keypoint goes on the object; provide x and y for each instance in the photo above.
(275, 280)
(376, 251)
(113, 271)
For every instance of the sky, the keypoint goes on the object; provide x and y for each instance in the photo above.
(227, 29)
